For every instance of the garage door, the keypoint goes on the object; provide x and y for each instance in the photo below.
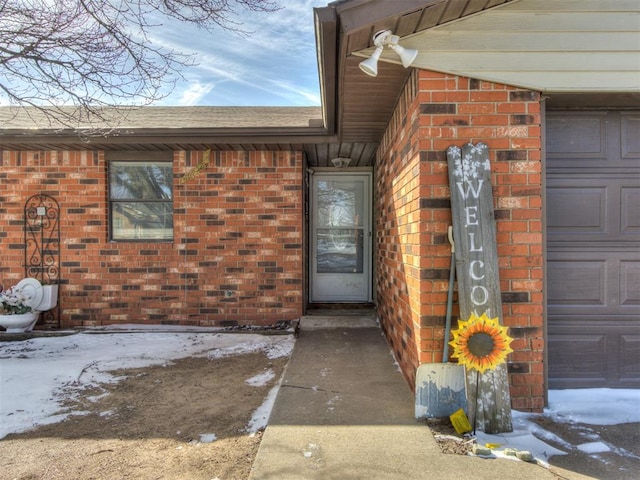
(593, 248)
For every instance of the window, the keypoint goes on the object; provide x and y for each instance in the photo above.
(141, 200)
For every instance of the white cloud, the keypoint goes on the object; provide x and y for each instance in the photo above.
(194, 93)
(294, 92)
(275, 65)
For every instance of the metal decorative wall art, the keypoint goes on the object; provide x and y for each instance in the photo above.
(42, 246)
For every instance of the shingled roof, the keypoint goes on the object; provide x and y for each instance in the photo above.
(152, 117)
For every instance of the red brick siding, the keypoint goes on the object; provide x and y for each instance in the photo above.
(399, 235)
(236, 257)
(413, 212)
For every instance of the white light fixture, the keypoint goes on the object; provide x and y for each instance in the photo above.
(341, 162)
(380, 39)
(407, 55)
(370, 66)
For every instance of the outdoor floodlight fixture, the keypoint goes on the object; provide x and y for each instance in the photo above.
(341, 162)
(380, 39)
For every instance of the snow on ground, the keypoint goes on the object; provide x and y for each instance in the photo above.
(594, 406)
(35, 372)
(526, 436)
(261, 379)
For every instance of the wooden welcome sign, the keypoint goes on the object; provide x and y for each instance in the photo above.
(474, 232)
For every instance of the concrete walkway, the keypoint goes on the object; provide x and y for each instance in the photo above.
(344, 412)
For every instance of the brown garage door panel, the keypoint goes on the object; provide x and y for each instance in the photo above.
(630, 283)
(577, 357)
(596, 355)
(576, 136)
(630, 139)
(593, 208)
(575, 283)
(630, 210)
(576, 209)
(593, 282)
(583, 141)
(629, 355)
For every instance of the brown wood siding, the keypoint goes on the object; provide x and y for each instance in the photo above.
(593, 251)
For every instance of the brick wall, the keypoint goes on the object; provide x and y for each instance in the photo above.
(236, 257)
(413, 212)
(400, 234)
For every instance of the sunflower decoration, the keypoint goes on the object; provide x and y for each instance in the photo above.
(481, 343)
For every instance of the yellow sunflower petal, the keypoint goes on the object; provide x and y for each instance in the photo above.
(479, 359)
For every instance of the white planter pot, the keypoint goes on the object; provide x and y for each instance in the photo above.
(19, 323)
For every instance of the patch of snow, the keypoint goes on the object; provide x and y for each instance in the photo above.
(311, 449)
(280, 349)
(594, 447)
(261, 379)
(270, 348)
(96, 398)
(552, 437)
(208, 437)
(522, 438)
(260, 417)
(595, 406)
(624, 452)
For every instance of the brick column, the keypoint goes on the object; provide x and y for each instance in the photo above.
(413, 212)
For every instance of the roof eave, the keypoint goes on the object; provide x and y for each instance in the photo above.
(326, 49)
(170, 138)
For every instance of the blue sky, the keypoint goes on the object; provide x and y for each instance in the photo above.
(274, 66)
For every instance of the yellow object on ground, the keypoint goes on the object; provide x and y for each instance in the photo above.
(460, 422)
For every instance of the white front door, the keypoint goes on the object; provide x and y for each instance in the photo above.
(341, 237)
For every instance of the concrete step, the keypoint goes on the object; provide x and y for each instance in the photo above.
(321, 322)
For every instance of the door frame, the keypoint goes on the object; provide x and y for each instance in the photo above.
(368, 230)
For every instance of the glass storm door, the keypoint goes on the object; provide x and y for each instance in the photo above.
(341, 238)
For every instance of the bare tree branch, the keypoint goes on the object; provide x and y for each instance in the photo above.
(97, 55)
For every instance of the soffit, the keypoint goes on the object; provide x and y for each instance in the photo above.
(542, 45)
(361, 106)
